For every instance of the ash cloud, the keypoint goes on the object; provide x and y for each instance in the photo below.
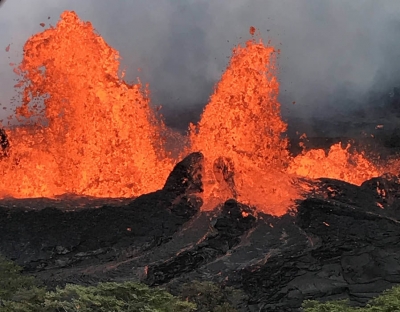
(334, 53)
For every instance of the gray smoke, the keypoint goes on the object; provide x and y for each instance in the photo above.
(334, 53)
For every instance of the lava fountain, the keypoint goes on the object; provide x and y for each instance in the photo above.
(99, 135)
(85, 131)
(241, 134)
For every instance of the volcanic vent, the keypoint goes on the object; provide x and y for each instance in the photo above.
(85, 131)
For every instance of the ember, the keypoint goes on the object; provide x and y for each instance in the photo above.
(86, 131)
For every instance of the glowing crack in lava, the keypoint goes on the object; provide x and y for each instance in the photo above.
(99, 137)
(240, 134)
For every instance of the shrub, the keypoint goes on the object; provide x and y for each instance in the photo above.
(388, 301)
(19, 293)
(210, 297)
(12, 281)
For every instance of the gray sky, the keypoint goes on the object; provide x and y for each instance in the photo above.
(332, 50)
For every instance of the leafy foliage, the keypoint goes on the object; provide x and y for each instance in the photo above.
(388, 301)
(18, 293)
(21, 293)
(211, 297)
(11, 280)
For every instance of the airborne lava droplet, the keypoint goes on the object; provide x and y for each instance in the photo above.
(42, 24)
(8, 48)
(252, 30)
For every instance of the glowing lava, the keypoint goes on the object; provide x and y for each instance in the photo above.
(100, 136)
(240, 134)
(339, 164)
(88, 132)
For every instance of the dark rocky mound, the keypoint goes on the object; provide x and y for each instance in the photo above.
(341, 243)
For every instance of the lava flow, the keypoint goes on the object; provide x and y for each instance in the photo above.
(87, 132)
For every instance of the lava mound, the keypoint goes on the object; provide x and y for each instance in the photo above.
(340, 243)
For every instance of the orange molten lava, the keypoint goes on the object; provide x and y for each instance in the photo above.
(96, 135)
(339, 164)
(100, 137)
(242, 124)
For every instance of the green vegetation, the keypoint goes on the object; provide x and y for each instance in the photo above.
(105, 297)
(388, 301)
(211, 297)
(21, 293)
(12, 281)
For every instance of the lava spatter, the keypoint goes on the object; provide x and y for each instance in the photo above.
(339, 163)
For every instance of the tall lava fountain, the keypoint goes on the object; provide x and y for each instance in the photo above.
(242, 124)
(100, 138)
